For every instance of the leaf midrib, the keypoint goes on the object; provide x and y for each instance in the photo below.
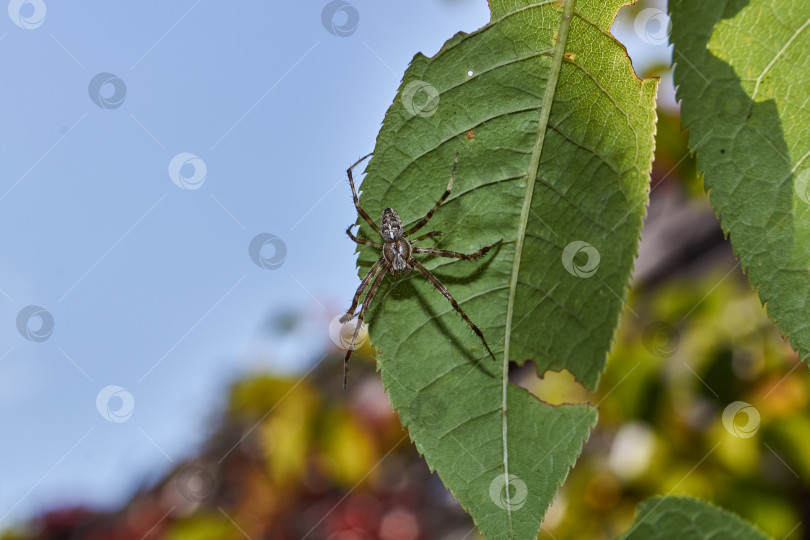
(531, 178)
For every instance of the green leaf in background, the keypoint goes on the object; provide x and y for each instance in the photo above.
(676, 518)
(743, 75)
(554, 134)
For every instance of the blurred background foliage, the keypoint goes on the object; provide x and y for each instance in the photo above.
(295, 457)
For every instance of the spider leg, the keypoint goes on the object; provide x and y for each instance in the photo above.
(361, 240)
(425, 237)
(360, 316)
(442, 289)
(357, 200)
(363, 284)
(421, 223)
(454, 255)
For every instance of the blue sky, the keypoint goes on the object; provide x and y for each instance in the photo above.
(155, 301)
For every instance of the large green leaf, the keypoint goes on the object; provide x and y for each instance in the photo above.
(676, 518)
(554, 134)
(743, 75)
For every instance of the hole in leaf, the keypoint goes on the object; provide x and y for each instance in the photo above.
(554, 387)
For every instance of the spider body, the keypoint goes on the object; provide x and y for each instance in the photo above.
(396, 249)
(397, 256)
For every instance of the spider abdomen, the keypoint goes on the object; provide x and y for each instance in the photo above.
(391, 229)
(396, 254)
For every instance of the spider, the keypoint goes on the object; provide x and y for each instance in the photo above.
(397, 256)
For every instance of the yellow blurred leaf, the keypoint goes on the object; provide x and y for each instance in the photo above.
(287, 433)
(347, 450)
(202, 527)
